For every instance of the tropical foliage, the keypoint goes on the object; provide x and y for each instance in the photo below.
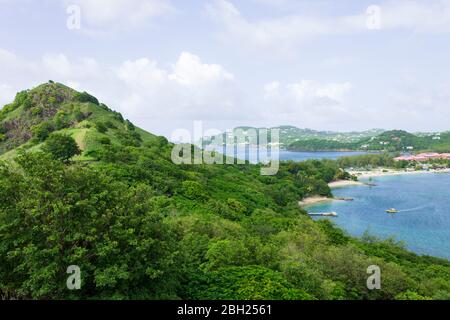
(141, 227)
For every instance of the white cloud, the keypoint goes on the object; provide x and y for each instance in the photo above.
(431, 16)
(310, 102)
(278, 33)
(109, 15)
(6, 93)
(286, 32)
(188, 89)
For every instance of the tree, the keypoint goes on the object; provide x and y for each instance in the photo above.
(80, 217)
(61, 147)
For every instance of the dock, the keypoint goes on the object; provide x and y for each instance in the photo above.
(344, 199)
(323, 214)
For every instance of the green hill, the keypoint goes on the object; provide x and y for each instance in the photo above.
(53, 107)
(305, 139)
(391, 141)
(140, 227)
(399, 140)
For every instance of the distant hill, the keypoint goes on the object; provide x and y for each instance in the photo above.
(296, 139)
(392, 141)
(290, 135)
(399, 140)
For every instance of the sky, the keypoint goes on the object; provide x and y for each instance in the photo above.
(322, 64)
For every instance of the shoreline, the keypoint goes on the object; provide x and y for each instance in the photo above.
(313, 200)
(392, 172)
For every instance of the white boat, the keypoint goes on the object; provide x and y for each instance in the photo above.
(392, 210)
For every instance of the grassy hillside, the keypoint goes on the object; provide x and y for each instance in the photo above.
(141, 227)
(53, 107)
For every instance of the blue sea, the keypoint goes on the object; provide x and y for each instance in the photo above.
(423, 200)
(255, 155)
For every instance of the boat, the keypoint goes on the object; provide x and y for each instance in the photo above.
(323, 214)
(392, 210)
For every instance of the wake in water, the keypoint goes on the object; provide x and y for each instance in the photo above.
(415, 209)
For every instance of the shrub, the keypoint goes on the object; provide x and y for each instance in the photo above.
(86, 97)
(110, 125)
(42, 130)
(129, 125)
(236, 206)
(36, 111)
(193, 190)
(101, 127)
(105, 140)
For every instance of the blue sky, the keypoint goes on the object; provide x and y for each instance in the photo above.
(322, 64)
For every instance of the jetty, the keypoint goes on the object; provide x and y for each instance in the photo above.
(343, 199)
(323, 214)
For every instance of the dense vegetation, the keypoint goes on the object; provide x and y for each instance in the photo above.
(322, 145)
(142, 227)
(389, 141)
(290, 135)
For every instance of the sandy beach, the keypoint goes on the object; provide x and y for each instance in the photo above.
(392, 172)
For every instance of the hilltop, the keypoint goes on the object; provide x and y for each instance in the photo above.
(53, 107)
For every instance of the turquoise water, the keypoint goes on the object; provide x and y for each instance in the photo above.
(423, 222)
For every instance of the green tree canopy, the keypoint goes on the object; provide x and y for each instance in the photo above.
(61, 147)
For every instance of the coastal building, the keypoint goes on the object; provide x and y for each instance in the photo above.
(421, 157)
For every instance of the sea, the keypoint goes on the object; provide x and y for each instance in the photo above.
(423, 201)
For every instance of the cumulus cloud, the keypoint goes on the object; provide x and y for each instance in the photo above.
(307, 101)
(188, 89)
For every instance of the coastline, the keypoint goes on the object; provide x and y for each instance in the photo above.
(392, 172)
(310, 201)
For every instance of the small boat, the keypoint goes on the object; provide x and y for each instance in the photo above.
(392, 210)
(323, 214)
